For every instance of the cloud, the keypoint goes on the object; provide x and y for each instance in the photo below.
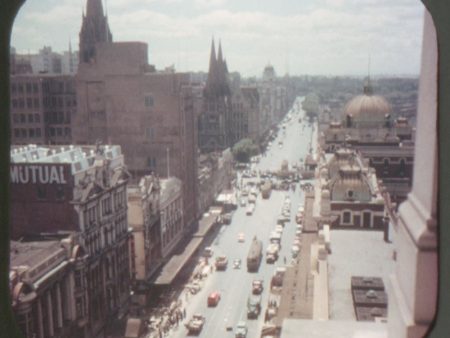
(335, 33)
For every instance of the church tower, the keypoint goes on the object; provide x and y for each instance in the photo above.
(94, 29)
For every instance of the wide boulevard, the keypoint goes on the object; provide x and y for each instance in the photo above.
(235, 285)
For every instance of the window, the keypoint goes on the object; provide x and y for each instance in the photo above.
(38, 132)
(30, 118)
(28, 87)
(35, 88)
(14, 103)
(151, 162)
(346, 217)
(350, 194)
(22, 118)
(29, 103)
(16, 118)
(59, 193)
(149, 101)
(37, 118)
(41, 192)
(31, 132)
(36, 103)
(16, 133)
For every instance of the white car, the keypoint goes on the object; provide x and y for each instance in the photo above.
(241, 237)
(250, 209)
(279, 229)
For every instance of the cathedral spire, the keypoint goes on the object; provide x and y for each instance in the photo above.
(94, 29)
(94, 8)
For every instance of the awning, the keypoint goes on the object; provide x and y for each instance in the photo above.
(176, 263)
(205, 224)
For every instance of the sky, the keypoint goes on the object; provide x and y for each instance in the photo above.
(298, 37)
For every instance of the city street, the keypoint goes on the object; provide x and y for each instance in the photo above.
(235, 285)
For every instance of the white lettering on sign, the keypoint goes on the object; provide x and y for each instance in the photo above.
(37, 174)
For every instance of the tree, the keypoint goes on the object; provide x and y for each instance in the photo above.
(244, 149)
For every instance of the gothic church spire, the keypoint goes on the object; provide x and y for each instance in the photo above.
(94, 29)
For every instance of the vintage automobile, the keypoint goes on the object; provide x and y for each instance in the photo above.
(213, 298)
(241, 330)
(257, 286)
(237, 263)
(195, 324)
(221, 262)
(241, 237)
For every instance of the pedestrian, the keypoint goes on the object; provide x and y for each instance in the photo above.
(184, 313)
(284, 259)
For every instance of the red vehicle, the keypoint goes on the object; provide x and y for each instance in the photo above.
(213, 298)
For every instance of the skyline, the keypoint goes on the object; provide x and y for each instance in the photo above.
(326, 37)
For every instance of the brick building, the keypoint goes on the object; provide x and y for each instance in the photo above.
(42, 107)
(80, 191)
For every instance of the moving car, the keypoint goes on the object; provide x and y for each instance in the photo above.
(237, 263)
(213, 298)
(295, 251)
(241, 237)
(250, 209)
(257, 286)
(221, 262)
(253, 306)
(195, 325)
(241, 330)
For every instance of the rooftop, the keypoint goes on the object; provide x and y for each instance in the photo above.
(81, 157)
(370, 256)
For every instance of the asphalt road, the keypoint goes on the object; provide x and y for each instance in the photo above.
(234, 285)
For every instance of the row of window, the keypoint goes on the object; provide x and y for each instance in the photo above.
(24, 87)
(171, 230)
(24, 133)
(22, 118)
(57, 117)
(29, 103)
(36, 132)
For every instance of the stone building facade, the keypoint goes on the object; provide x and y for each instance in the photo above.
(144, 220)
(151, 114)
(80, 190)
(171, 215)
(388, 144)
(48, 287)
(350, 194)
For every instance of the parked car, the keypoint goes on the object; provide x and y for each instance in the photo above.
(208, 252)
(195, 325)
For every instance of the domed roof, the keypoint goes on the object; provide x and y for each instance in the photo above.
(367, 108)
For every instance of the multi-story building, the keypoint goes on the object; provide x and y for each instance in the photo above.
(48, 287)
(388, 144)
(144, 220)
(215, 174)
(42, 107)
(274, 101)
(124, 100)
(171, 214)
(46, 61)
(81, 190)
